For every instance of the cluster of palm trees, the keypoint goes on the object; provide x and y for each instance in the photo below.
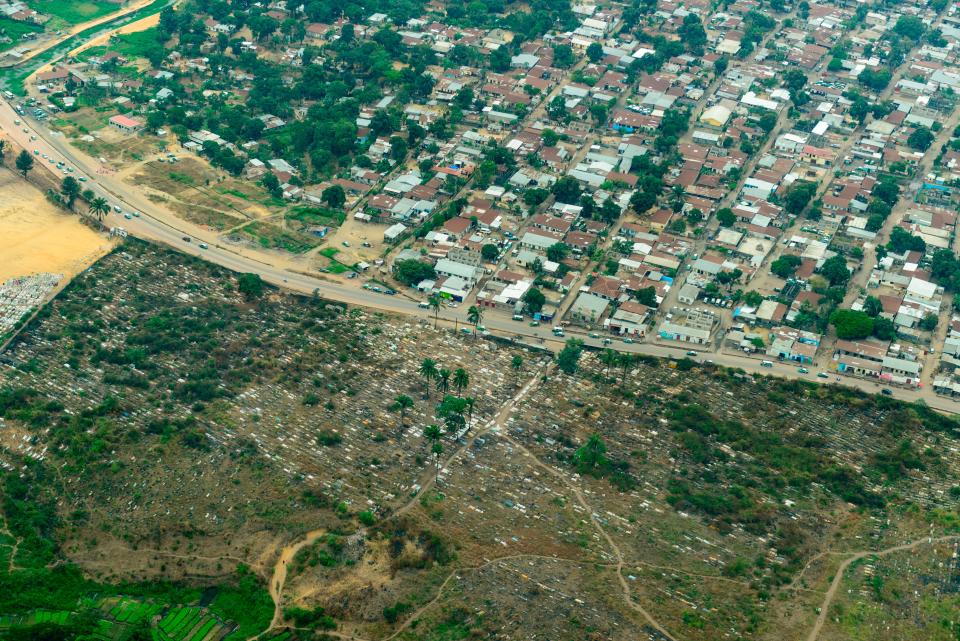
(456, 412)
(611, 358)
(442, 377)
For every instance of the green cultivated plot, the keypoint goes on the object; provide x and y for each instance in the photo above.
(71, 12)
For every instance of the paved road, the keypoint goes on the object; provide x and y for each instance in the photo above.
(153, 225)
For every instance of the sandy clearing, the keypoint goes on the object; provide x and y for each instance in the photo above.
(37, 237)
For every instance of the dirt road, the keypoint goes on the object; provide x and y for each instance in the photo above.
(855, 556)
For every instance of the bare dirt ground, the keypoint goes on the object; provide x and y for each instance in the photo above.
(37, 237)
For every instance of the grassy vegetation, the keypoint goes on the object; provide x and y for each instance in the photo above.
(72, 12)
(316, 215)
(139, 44)
(272, 237)
(14, 30)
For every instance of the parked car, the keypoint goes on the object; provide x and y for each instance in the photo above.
(803, 370)
(886, 391)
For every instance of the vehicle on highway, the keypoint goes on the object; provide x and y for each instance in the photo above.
(822, 375)
(517, 317)
(534, 323)
(17, 122)
(365, 244)
(33, 137)
(351, 275)
(886, 391)
(466, 330)
(186, 239)
(558, 331)
(422, 304)
(593, 335)
(346, 243)
(117, 208)
(607, 341)
(44, 156)
(36, 152)
(376, 288)
(803, 370)
(203, 245)
(766, 363)
(389, 292)
(83, 180)
(691, 353)
(127, 216)
(25, 130)
(628, 341)
(136, 214)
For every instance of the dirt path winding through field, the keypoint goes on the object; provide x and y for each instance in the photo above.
(856, 556)
(279, 577)
(581, 499)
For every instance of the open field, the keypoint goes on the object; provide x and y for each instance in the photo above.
(66, 13)
(39, 237)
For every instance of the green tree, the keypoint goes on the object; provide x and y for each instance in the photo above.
(434, 302)
(442, 380)
(872, 306)
(921, 138)
(785, 265)
(557, 252)
(99, 207)
(437, 450)
(334, 196)
(798, 196)
(851, 325)
(500, 60)
(566, 190)
(413, 271)
(569, 356)
(70, 189)
(489, 252)
(910, 27)
(475, 316)
(250, 285)
(428, 370)
(401, 404)
(726, 217)
(24, 162)
(460, 380)
(595, 52)
(591, 456)
(835, 270)
(534, 300)
(550, 137)
(929, 322)
(516, 364)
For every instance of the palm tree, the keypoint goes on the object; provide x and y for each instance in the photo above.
(460, 380)
(428, 370)
(625, 360)
(434, 301)
(99, 207)
(437, 450)
(402, 403)
(517, 364)
(433, 434)
(475, 316)
(443, 380)
(609, 358)
(470, 403)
